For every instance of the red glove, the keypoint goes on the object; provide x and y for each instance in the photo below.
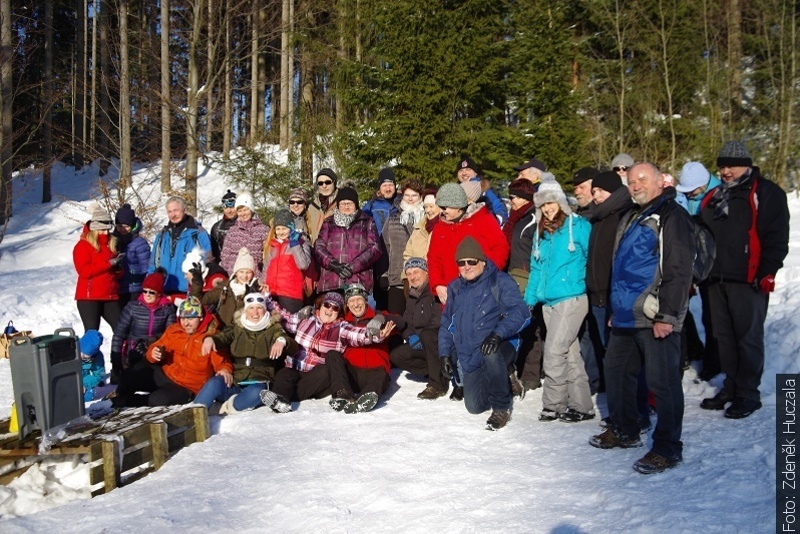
(767, 284)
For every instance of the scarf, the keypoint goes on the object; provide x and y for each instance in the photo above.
(546, 225)
(722, 195)
(255, 327)
(410, 213)
(513, 219)
(341, 220)
(430, 223)
(325, 202)
(238, 288)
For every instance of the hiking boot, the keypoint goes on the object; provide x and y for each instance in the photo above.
(741, 408)
(517, 389)
(498, 419)
(431, 393)
(717, 402)
(341, 399)
(610, 440)
(548, 415)
(531, 385)
(652, 462)
(364, 403)
(276, 402)
(457, 394)
(574, 416)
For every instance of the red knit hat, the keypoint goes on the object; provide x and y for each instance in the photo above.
(155, 282)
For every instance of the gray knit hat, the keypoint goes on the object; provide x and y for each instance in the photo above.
(550, 191)
(101, 219)
(734, 154)
(283, 217)
(470, 248)
(416, 262)
(622, 160)
(451, 196)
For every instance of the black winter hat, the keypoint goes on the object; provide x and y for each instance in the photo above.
(126, 215)
(466, 163)
(347, 193)
(230, 195)
(608, 181)
(386, 175)
(470, 248)
(329, 173)
(734, 154)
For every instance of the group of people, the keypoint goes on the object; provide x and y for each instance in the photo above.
(487, 301)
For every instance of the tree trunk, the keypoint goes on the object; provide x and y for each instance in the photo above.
(105, 97)
(306, 116)
(6, 64)
(210, 51)
(193, 98)
(124, 104)
(47, 102)
(735, 59)
(227, 115)
(286, 81)
(254, 118)
(262, 79)
(166, 151)
(95, 70)
(78, 118)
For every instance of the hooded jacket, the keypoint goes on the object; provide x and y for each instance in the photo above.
(137, 259)
(357, 245)
(250, 350)
(169, 253)
(97, 278)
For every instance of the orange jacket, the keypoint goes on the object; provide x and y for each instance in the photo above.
(183, 361)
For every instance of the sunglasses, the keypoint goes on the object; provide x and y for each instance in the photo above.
(512, 197)
(330, 306)
(323, 183)
(229, 203)
(618, 169)
(471, 263)
(149, 292)
(300, 202)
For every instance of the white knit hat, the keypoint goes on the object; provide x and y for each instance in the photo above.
(243, 261)
(550, 191)
(245, 200)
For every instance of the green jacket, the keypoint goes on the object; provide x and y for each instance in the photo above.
(250, 351)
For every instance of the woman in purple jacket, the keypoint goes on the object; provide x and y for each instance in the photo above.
(347, 246)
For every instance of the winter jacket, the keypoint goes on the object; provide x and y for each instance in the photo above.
(217, 234)
(753, 240)
(493, 202)
(182, 357)
(140, 321)
(357, 245)
(472, 313)
(422, 311)
(367, 356)
(284, 265)
(637, 263)
(522, 241)
(169, 253)
(559, 271)
(395, 237)
(418, 242)
(315, 338)
(93, 374)
(137, 259)
(315, 215)
(692, 205)
(445, 238)
(222, 301)
(381, 209)
(601, 244)
(249, 234)
(97, 278)
(250, 351)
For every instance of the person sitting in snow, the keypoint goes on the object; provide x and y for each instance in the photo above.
(257, 345)
(362, 369)
(93, 372)
(227, 298)
(318, 330)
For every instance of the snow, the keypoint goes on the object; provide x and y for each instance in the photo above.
(407, 466)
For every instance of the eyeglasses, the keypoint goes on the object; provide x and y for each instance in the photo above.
(464, 263)
(149, 292)
(330, 306)
(323, 183)
(512, 197)
(229, 202)
(300, 202)
(622, 168)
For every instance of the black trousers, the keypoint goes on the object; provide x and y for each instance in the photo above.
(91, 311)
(531, 347)
(425, 362)
(149, 378)
(357, 379)
(297, 386)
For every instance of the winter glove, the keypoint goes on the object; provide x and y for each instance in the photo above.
(305, 313)
(116, 260)
(374, 325)
(490, 344)
(197, 274)
(294, 236)
(447, 368)
(347, 271)
(383, 282)
(767, 284)
(336, 267)
(415, 342)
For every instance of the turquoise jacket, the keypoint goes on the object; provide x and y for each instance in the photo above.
(692, 205)
(558, 263)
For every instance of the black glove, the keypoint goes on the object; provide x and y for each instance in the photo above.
(346, 271)
(336, 267)
(197, 274)
(490, 344)
(447, 368)
(383, 282)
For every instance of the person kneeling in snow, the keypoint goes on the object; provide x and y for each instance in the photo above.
(318, 330)
(476, 331)
(178, 366)
(93, 372)
(363, 369)
(257, 345)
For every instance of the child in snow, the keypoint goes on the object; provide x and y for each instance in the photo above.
(92, 365)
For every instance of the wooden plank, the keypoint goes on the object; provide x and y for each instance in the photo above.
(159, 443)
(111, 474)
(133, 457)
(95, 454)
(201, 427)
(8, 477)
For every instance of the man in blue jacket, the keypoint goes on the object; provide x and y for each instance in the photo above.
(478, 333)
(180, 236)
(649, 301)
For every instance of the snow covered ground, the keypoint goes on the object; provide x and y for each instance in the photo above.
(407, 466)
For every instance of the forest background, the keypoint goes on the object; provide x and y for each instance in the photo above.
(362, 84)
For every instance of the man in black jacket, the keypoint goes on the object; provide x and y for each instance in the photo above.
(749, 217)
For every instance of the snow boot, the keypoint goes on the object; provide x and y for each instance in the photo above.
(275, 401)
(431, 393)
(227, 407)
(610, 440)
(652, 462)
(364, 403)
(498, 419)
(574, 416)
(341, 399)
(458, 394)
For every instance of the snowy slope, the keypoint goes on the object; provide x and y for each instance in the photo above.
(408, 466)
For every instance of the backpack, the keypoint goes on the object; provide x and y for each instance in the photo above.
(705, 251)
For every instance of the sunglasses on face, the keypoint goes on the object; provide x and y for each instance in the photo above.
(330, 306)
(618, 169)
(149, 292)
(323, 183)
(231, 203)
(464, 263)
(299, 202)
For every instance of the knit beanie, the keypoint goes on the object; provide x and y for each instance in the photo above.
(693, 175)
(622, 160)
(386, 175)
(329, 173)
(190, 308)
(550, 191)
(90, 342)
(469, 248)
(283, 217)
(230, 196)
(101, 219)
(255, 299)
(584, 174)
(332, 297)
(473, 190)
(418, 263)
(607, 181)
(347, 193)
(299, 193)
(466, 163)
(734, 154)
(125, 215)
(245, 200)
(243, 261)
(355, 290)
(522, 188)
(451, 196)
(155, 282)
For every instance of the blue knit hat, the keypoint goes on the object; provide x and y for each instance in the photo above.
(419, 263)
(90, 342)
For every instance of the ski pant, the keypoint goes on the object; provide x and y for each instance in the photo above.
(296, 386)
(487, 387)
(149, 378)
(425, 362)
(357, 379)
(530, 350)
(91, 311)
